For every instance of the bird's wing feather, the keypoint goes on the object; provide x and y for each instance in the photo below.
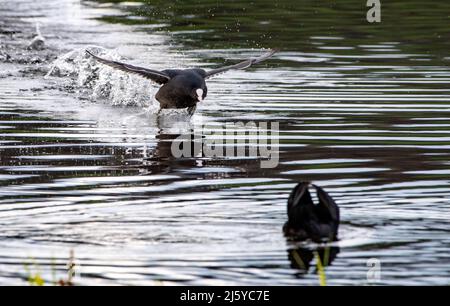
(327, 208)
(154, 75)
(242, 65)
(300, 204)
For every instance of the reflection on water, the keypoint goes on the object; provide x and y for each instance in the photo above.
(301, 258)
(363, 112)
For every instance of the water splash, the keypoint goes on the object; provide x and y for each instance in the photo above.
(96, 81)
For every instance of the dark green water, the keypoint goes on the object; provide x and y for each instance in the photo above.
(293, 25)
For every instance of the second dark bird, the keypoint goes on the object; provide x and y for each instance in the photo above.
(307, 220)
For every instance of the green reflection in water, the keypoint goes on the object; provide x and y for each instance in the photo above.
(421, 26)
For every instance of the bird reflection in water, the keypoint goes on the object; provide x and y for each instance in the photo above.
(301, 258)
(161, 160)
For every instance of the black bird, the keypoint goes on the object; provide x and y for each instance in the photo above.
(181, 88)
(306, 220)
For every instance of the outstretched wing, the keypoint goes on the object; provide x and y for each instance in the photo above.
(154, 75)
(242, 65)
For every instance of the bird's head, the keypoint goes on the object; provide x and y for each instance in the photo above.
(199, 94)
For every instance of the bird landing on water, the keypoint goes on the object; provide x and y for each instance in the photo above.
(181, 88)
